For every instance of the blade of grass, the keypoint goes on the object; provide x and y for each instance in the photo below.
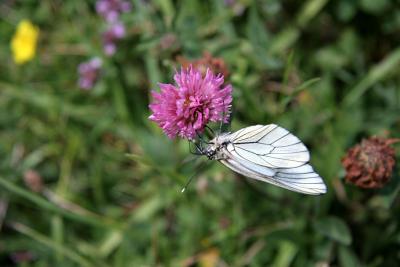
(305, 85)
(152, 69)
(286, 38)
(72, 147)
(57, 233)
(309, 11)
(168, 11)
(296, 91)
(62, 249)
(111, 242)
(43, 203)
(51, 102)
(288, 69)
(286, 253)
(119, 97)
(374, 75)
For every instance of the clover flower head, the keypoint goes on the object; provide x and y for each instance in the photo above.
(216, 64)
(370, 164)
(184, 109)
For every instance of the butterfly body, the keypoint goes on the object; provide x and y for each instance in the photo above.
(217, 147)
(268, 153)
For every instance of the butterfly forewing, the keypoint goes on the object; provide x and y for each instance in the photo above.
(270, 146)
(272, 154)
(252, 133)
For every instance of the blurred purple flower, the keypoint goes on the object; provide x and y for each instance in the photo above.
(236, 6)
(22, 257)
(111, 9)
(229, 2)
(115, 32)
(185, 109)
(89, 72)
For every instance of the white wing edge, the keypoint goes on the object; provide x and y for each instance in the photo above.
(301, 179)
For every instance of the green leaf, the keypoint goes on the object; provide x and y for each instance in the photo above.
(347, 258)
(92, 219)
(286, 253)
(346, 10)
(374, 75)
(147, 209)
(60, 248)
(309, 10)
(305, 85)
(334, 228)
(373, 6)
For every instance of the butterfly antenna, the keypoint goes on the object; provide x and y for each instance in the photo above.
(188, 182)
(223, 117)
(202, 139)
(203, 164)
(230, 119)
(211, 130)
(198, 151)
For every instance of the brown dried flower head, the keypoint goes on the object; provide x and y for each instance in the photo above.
(216, 64)
(33, 180)
(370, 164)
(169, 42)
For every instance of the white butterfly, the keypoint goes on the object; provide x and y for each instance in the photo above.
(268, 153)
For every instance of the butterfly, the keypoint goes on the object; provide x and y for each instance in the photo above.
(268, 153)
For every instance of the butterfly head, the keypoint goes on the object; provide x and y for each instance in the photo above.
(214, 149)
(210, 153)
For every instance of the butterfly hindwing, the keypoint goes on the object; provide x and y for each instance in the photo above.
(272, 154)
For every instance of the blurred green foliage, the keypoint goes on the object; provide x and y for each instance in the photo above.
(327, 70)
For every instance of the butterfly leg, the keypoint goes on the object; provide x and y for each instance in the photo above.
(197, 151)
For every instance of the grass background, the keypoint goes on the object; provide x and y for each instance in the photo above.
(326, 70)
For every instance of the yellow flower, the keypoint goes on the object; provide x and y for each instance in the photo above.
(23, 43)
